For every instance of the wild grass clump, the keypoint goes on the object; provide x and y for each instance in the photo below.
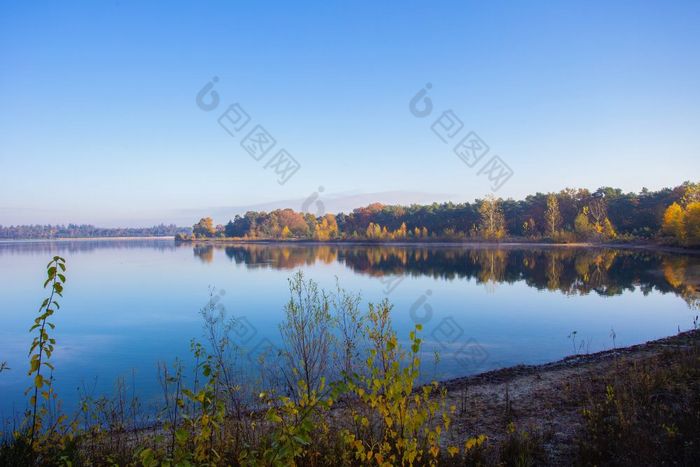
(645, 414)
(522, 448)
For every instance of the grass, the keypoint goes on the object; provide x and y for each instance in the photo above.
(644, 413)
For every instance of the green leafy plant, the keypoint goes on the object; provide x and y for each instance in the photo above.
(396, 423)
(299, 429)
(42, 348)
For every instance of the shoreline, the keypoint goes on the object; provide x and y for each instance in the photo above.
(548, 398)
(572, 361)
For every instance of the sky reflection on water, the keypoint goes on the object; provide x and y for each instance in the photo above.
(132, 303)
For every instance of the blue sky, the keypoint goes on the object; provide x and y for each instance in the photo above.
(98, 121)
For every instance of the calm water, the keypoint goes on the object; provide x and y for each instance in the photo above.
(131, 303)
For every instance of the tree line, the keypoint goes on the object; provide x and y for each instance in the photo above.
(87, 231)
(670, 215)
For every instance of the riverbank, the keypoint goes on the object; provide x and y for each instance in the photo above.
(557, 403)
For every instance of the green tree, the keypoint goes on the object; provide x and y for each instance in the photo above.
(583, 228)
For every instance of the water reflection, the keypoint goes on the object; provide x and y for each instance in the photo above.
(153, 312)
(571, 271)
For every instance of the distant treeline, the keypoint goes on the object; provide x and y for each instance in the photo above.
(87, 231)
(670, 214)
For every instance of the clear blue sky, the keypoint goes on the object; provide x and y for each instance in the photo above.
(98, 121)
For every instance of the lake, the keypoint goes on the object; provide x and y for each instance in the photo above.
(129, 304)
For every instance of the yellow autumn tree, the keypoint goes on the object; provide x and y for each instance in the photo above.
(608, 229)
(326, 229)
(374, 231)
(400, 233)
(673, 222)
(492, 219)
(552, 216)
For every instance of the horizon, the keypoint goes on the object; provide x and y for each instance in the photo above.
(329, 204)
(107, 115)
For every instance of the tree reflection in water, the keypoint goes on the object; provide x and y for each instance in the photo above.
(569, 270)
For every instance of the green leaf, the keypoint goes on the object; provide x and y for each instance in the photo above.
(181, 435)
(273, 417)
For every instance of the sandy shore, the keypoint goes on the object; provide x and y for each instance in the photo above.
(546, 398)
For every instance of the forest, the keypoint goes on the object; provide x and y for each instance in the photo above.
(669, 215)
